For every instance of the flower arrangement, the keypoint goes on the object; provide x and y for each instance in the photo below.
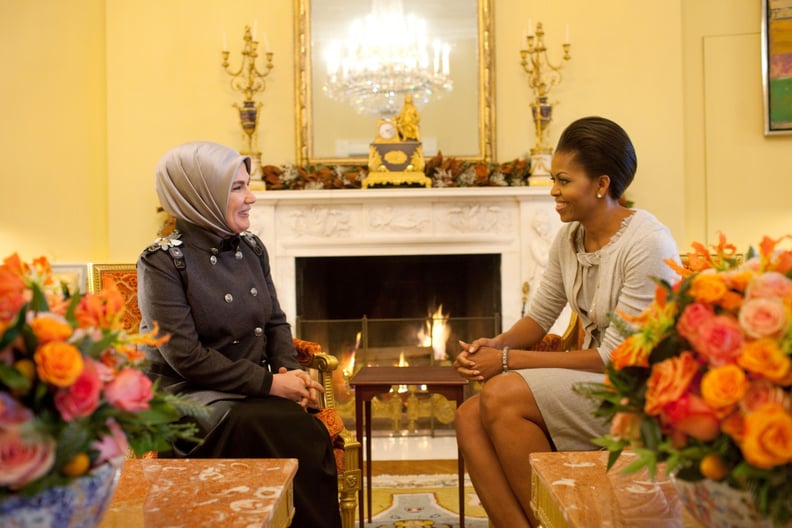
(72, 396)
(443, 171)
(702, 380)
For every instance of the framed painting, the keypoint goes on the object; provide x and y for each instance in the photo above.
(777, 65)
(74, 277)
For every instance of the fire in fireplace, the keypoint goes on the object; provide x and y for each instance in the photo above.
(413, 307)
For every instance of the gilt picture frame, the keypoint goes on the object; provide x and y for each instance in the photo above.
(777, 66)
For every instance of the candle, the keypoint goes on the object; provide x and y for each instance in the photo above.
(436, 62)
(566, 34)
(225, 41)
(255, 30)
(266, 42)
(530, 27)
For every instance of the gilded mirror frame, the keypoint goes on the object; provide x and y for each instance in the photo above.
(303, 95)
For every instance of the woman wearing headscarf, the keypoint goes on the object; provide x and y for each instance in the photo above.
(208, 285)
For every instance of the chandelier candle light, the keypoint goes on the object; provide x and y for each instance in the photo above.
(387, 56)
(249, 80)
(542, 76)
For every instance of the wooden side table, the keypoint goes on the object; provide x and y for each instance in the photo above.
(372, 381)
(163, 492)
(574, 490)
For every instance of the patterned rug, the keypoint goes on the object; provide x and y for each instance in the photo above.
(423, 501)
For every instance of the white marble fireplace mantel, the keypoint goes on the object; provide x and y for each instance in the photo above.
(516, 222)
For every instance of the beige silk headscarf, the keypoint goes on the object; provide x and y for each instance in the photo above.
(193, 182)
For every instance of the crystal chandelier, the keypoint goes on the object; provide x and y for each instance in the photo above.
(385, 57)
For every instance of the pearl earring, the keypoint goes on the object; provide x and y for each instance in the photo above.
(599, 195)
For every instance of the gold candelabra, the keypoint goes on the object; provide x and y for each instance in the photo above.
(542, 76)
(249, 80)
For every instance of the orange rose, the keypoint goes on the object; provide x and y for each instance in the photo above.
(708, 287)
(626, 426)
(765, 357)
(49, 328)
(58, 363)
(668, 381)
(731, 301)
(724, 386)
(738, 279)
(734, 425)
(767, 438)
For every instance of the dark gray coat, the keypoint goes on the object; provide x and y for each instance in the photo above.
(228, 331)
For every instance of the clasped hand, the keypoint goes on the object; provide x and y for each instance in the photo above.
(297, 386)
(479, 360)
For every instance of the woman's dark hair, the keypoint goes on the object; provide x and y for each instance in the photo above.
(601, 147)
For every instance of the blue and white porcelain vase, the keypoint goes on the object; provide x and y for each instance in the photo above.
(81, 503)
(717, 505)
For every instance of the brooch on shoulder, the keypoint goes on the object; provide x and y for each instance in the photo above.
(167, 242)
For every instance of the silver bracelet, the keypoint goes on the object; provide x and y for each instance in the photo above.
(505, 359)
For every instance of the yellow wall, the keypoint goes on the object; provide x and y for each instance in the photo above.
(625, 65)
(53, 141)
(93, 92)
(737, 180)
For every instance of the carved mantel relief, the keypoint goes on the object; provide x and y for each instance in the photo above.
(516, 222)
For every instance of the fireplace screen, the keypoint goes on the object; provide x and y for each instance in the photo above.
(397, 310)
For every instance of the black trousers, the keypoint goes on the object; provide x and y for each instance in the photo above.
(276, 428)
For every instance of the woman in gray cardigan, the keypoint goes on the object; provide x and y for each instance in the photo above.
(208, 286)
(602, 259)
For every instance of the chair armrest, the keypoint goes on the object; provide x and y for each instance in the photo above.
(323, 362)
(310, 355)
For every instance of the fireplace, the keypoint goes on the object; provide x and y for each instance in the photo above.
(411, 309)
(396, 245)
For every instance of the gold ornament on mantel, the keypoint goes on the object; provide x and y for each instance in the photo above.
(542, 76)
(249, 80)
(396, 153)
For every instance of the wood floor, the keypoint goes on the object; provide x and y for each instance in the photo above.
(413, 467)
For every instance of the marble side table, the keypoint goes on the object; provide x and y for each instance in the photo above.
(223, 492)
(574, 490)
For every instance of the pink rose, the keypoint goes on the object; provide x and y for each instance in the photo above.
(769, 284)
(129, 391)
(763, 317)
(720, 340)
(24, 458)
(761, 392)
(692, 416)
(12, 413)
(694, 317)
(81, 398)
(111, 446)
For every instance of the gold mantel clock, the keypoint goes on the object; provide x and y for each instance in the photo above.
(394, 160)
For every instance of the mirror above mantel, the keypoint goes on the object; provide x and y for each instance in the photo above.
(459, 123)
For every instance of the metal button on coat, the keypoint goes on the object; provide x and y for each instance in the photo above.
(258, 331)
(253, 292)
(213, 260)
(229, 298)
(238, 255)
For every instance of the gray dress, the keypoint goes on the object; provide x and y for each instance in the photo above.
(616, 277)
